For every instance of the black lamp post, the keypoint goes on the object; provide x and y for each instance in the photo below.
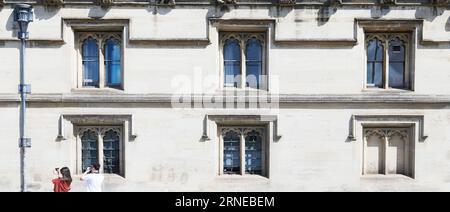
(23, 14)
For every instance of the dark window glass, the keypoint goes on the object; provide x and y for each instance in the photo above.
(253, 153)
(89, 149)
(111, 152)
(231, 153)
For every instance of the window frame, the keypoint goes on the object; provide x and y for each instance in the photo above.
(101, 37)
(243, 37)
(385, 38)
(100, 130)
(242, 130)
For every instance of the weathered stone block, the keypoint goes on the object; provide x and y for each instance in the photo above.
(441, 3)
(105, 3)
(170, 2)
(287, 2)
(56, 3)
(388, 2)
(223, 2)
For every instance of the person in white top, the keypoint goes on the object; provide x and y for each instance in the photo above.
(93, 179)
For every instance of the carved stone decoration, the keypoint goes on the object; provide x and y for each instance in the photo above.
(335, 2)
(168, 2)
(386, 133)
(98, 122)
(388, 2)
(53, 3)
(287, 2)
(225, 2)
(105, 3)
(441, 3)
(417, 121)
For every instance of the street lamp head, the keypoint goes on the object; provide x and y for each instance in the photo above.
(23, 14)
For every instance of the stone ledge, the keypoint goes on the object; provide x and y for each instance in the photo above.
(240, 2)
(282, 98)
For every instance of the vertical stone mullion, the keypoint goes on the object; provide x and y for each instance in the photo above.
(242, 145)
(386, 146)
(386, 64)
(100, 151)
(243, 64)
(101, 63)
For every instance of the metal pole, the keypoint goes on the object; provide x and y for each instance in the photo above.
(22, 115)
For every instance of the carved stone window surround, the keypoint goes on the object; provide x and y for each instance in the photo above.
(100, 131)
(210, 123)
(415, 121)
(243, 37)
(67, 123)
(101, 38)
(98, 29)
(242, 131)
(386, 39)
(389, 164)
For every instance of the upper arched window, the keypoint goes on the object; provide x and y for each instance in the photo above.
(254, 62)
(113, 63)
(232, 62)
(101, 55)
(388, 60)
(90, 63)
(243, 60)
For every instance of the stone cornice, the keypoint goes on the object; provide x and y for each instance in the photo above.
(399, 98)
(290, 3)
(215, 22)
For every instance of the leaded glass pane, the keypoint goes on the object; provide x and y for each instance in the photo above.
(89, 149)
(113, 63)
(375, 56)
(253, 153)
(111, 152)
(397, 64)
(90, 63)
(231, 154)
(232, 63)
(254, 62)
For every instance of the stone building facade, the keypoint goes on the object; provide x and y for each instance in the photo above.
(231, 95)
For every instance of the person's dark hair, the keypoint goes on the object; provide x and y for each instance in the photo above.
(65, 172)
(96, 166)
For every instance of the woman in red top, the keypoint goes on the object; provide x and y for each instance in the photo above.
(62, 183)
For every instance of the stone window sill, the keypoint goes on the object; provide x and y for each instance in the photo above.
(243, 178)
(98, 90)
(386, 177)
